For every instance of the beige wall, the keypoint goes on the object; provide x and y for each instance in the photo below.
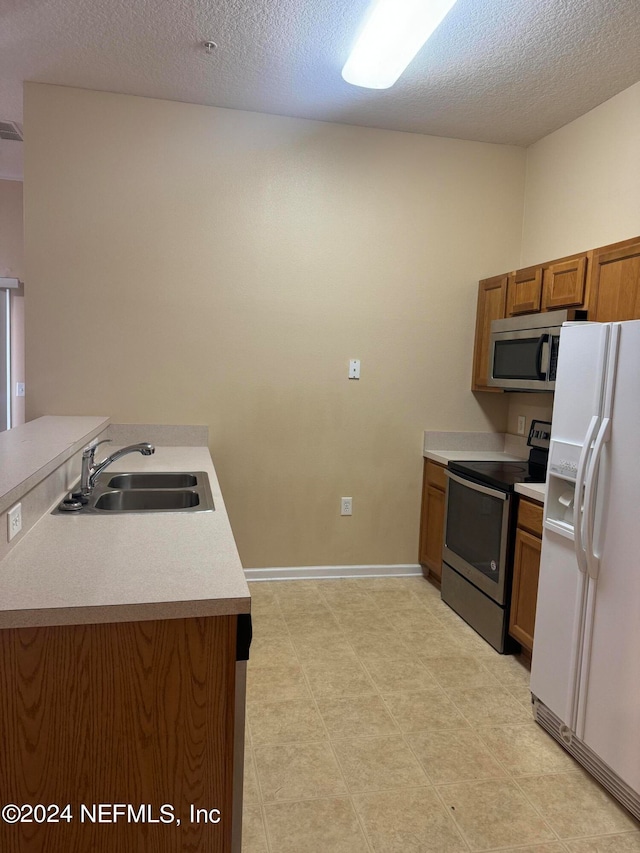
(583, 182)
(529, 406)
(582, 191)
(189, 264)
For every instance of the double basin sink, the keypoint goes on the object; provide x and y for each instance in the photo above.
(155, 491)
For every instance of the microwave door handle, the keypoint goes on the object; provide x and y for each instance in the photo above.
(540, 352)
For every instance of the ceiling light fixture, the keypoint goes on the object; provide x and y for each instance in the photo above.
(394, 32)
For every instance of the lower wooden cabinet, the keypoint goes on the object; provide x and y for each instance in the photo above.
(525, 588)
(526, 570)
(432, 519)
(140, 713)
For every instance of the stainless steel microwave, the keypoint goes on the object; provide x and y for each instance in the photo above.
(523, 353)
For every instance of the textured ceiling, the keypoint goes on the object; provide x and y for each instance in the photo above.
(496, 70)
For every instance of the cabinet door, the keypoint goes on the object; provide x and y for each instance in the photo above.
(492, 303)
(615, 283)
(563, 285)
(524, 595)
(524, 292)
(433, 531)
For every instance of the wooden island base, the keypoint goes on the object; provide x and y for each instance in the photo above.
(135, 713)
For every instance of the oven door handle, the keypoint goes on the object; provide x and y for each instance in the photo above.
(471, 484)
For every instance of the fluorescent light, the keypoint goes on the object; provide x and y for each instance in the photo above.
(394, 32)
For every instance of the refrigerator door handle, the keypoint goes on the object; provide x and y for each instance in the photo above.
(604, 434)
(581, 557)
(575, 666)
(593, 559)
(585, 663)
(576, 654)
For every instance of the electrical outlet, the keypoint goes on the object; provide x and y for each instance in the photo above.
(354, 368)
(346, 506)
(521, 424)
(14, 521)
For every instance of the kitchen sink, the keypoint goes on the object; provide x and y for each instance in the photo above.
(147, 500)
(153, 480)
(140, 492)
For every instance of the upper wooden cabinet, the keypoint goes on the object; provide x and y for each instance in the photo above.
(492, 304)
(524, 291)
(614, 282)
(564, 284)
(604, 283)
(548, 287)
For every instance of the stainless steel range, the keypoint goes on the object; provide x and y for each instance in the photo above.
(481, 505)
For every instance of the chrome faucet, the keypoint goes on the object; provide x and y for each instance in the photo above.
(91, 469)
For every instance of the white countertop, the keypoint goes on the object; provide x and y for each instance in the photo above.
(445, 456)
(534, 491)
(100, 568)
(32, 451)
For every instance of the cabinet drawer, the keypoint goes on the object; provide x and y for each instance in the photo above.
(435, 475)
(530, 516)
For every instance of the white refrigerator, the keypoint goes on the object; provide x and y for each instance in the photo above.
(585, 673)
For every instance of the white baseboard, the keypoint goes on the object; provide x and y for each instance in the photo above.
(294, 573)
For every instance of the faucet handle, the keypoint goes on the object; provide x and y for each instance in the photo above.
(90, 449)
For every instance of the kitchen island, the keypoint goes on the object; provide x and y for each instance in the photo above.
(119, 639)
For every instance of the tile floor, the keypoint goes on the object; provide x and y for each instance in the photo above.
(379, 722)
